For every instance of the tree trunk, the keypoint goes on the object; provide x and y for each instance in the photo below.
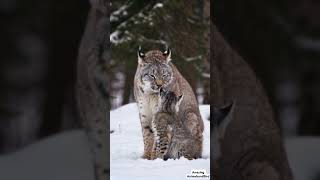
(92, 93)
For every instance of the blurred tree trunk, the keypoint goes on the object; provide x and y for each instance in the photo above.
(37, 69)
(206, 63)
(23, 70)
(92, 89)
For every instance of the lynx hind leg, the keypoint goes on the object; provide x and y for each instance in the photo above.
(186, 155)
(190, 149)
(185, 151)
(154, 149)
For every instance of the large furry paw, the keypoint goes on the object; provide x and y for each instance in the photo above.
(149, 156)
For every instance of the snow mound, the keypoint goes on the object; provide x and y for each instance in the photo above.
(304, 156)
(65, 156)
(126, 149)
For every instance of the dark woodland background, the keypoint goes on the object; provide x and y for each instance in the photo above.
(40, 40)
(39, 49)
(281, 41)
(183, 26)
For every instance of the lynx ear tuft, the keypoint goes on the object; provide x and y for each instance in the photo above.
(167, 54)
(141, 56)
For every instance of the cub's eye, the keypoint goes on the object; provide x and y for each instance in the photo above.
(165, 75)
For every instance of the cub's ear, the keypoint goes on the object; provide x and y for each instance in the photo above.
(179, 98)
(222, 117)
(141, 56)
(167, 54)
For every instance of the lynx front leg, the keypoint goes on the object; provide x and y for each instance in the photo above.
(148, 141)
(154, 150)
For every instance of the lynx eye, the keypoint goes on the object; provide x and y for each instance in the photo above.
(152, 76)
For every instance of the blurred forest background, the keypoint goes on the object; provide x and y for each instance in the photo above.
(39, 48)
(40, 40)
(181, 25)
(281, 41)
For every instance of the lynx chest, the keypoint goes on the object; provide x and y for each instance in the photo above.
(147, 105)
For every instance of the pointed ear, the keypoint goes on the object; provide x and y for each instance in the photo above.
(222, 118)
(179, 102)
(141, 56)
(167, 54)
(179, 99)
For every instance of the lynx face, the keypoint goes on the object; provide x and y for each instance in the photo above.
(155, 72)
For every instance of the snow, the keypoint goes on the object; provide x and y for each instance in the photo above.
(127, 148)
(304, 156)
(114, 37)
(118, 37)
(158, 5)
(122, 11)
(65, 156)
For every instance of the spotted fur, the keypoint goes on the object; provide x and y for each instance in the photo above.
(155, 70)
(163, 120)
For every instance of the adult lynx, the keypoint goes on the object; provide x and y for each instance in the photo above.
(156, 71)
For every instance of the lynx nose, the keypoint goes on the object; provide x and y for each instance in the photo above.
(159, 82)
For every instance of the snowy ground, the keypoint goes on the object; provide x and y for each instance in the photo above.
(304, 157)
(127, 149)
(65, 156)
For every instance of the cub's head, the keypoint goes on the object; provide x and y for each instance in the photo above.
(155, 70)
(169, 101)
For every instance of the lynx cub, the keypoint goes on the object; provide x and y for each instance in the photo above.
(162, 121)
(173, 140)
